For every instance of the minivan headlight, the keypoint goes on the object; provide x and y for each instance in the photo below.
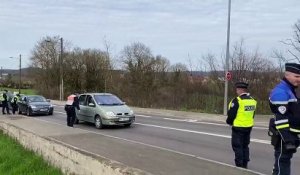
(131, 112)
(110, 114)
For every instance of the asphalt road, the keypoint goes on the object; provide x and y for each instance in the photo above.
(205, 140)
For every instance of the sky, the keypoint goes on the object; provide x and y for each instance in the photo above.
(179, 30)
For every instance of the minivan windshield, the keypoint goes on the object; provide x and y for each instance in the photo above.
(108, 100)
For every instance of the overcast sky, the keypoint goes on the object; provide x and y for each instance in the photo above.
(175, 29)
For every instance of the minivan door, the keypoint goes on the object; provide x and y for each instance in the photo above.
(80, 114)
(90, 108)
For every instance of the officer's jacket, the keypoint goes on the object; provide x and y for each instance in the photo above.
(15, 99)
(72, 101)
(241, 111)
(285, 106)
(1, 97)
(4, 97)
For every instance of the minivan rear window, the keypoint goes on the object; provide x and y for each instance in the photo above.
(108, 100)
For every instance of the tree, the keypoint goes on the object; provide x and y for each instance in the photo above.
(44, 60)
(294, 43)
(139, 64)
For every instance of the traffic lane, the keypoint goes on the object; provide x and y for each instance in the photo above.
(157, 135)
(199, 145)
(145, 157)
(165, 162)
(211, 127)
(209, 147)
(259, 133)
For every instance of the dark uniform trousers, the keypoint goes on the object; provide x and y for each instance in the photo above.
(283, 156)
(5, 107)
(240, 141)
(71, 114)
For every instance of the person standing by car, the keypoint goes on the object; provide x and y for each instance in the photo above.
(71, 105)
(14, 103)
(241, 117)
(285, 126)
(5, 103)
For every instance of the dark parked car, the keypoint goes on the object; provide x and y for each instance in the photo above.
(35, 104)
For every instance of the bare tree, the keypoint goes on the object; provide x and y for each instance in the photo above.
(139, 63)
(294, 42)
(44, 60)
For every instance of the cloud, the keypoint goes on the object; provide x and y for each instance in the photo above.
(173, 29)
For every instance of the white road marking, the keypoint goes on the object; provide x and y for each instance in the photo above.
(158, 147)
(196, 121)
(146, 116)
(195, 132)
(199, 132)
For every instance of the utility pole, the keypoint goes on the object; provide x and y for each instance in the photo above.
(61, 94)
(227, 59)
(20, 83)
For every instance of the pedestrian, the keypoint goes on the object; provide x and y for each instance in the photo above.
(14, 103)
(71, 105)
(285, 126)
(241, 111)
(5, 103)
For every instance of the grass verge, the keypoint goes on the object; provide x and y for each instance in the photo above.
(15, 160)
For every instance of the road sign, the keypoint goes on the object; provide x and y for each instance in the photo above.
(228, 76)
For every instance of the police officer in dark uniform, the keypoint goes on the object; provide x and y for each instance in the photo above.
(5, 103)
(285, 126)
(241, 111)
(70, 107)
(14, 103)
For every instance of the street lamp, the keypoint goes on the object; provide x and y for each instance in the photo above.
(61, 79)
(20, 58)
(227, 59)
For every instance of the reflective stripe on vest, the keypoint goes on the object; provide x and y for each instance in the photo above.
(70, 99)
(17, 99)
(245, 113)
(1, 97)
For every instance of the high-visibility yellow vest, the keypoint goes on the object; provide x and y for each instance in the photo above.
(245, 113)
(17, 99)
(1, 97)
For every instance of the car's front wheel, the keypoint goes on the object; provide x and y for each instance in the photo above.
(98, 122)
(28, 112)
(127, 125)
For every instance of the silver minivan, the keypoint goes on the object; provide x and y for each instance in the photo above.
(103, 109)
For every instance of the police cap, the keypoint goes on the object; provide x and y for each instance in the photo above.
(242, 85)
(292, 67)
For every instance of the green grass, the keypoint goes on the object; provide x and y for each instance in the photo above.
(15, 160)
(23, 91)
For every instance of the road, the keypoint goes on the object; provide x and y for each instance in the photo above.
(203, 140)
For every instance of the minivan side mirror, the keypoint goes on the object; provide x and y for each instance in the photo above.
(91, 105)
(48, 100)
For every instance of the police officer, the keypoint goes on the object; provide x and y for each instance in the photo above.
(5, 103)
(241, 113)
(70, 107)
(285, 106)
(14, 103)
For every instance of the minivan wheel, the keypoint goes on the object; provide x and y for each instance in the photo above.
(98, 122)
(76, 121)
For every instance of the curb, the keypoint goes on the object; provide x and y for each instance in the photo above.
(69, 159)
